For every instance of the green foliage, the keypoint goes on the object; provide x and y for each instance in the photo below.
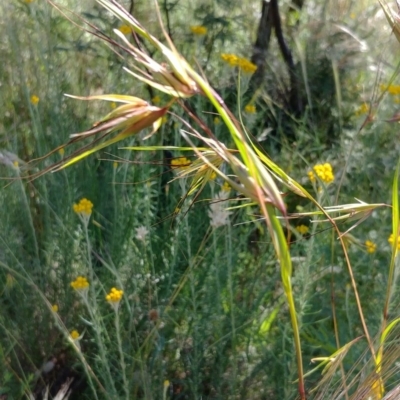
(203, 312)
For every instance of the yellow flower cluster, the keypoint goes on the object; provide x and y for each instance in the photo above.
(80, 283)
(323, 171)
(370, 246)
(115, 295)
(34, 100)
(226, 187)
(180, 162)
(199, 30)
(391, 239)
(243, 63)
(74, 334)
(156, 100)
(125, 29)
(54, 308)
(302, 229)
(250, 109)
(391, 89)
(83, 207)
(363, 109)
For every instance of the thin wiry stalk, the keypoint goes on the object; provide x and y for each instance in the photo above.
(121, 354)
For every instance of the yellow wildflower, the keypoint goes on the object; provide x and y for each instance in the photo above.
(217, 120)
(213, 176)
(61, 152)
(180, 162)
(363, 109)
(113, 105)
(115, 295)
(391, 239)
(156, 100)
(114, 298)
(54, 308)
(226, 187)
(115, 164)
(371, 246)
(10, 281)
(247, 66)
(166, 386)
(243, 63)
(323, 171)
(34, 100)
(250, 109)
(302, 229)
(198, 30)
(125, 29)
(231, 59)
(16, 164)
(74, 334)
(391, 89)
(80, 283)
(83, 207)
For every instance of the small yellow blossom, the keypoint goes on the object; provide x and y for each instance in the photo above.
(250, 109)
(302, 229)
(213, 176)
(199, 30)
(371, 246)
(34, 100)
(61, 152)
(226, 187)
(217, 120)
(166, 386)
(180, 162)
(247, 66)
(114, 297)
(156, 100)
(10, 281)
(243, 63)
(311, 176)
(80, 283)
(74, 334)
(391, 89)
(125, 29)
(391, 239)
(231, 59)
(54, 308)
(84, 207)
(323, 171)
(164, 119)
(115, 164)
(363, 109)
(113, 105)
(16, 164)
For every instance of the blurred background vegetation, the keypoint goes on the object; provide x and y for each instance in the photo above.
(202, 315)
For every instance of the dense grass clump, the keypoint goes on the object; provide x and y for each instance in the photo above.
(193, 221)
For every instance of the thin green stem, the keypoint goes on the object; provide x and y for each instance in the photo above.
(121, 353)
